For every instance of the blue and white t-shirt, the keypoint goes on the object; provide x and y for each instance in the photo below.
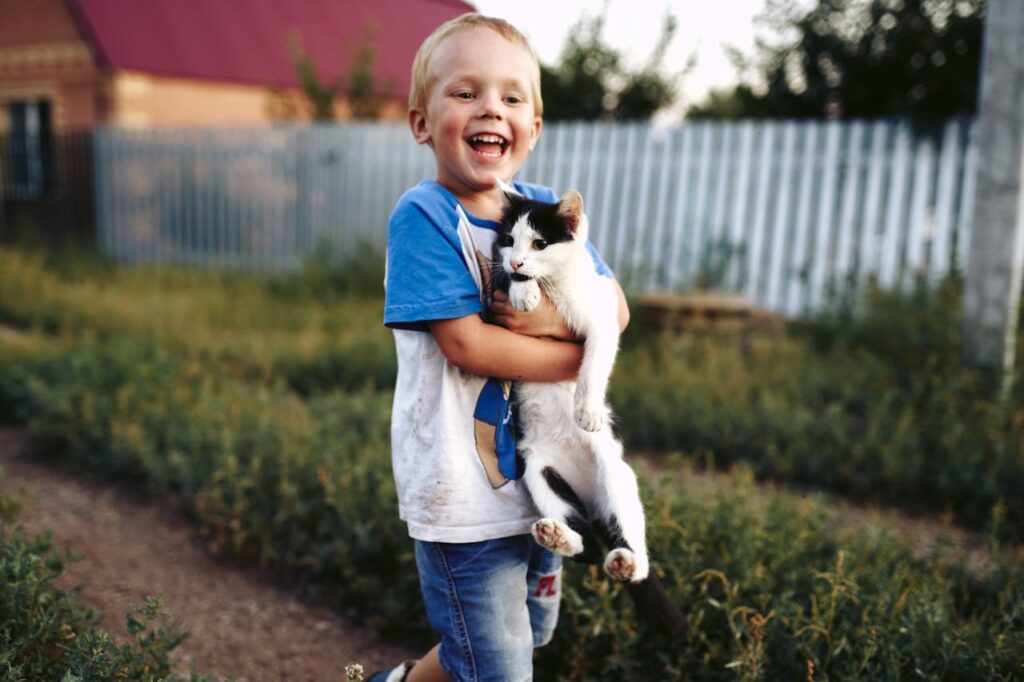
(450, 487)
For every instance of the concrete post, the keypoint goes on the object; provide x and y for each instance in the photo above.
(994, 263)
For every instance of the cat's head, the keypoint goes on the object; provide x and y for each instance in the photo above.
(536, 239)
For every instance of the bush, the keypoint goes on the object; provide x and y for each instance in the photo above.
(303, 487)
(47, 633)
(781, 587)
(855, 406)
(280, 466)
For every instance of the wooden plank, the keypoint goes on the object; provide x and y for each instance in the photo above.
(639, 230)
(777, 257)
(574, 178)
(555, 176)
(104, 238)
(755, 254)
(967, 198)
(738, 222)
(589, 183)
(673, 253)
(919, 227)
(893, 239)
(698, 222)
(609, 168)
(824, 222)
(846, 236)
(796, 293)
(870, 241)
(656, 253)
(724, 157)
(626, 179)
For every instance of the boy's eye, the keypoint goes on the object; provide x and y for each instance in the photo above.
(464, 95)
(505, 239)
(513, 99)
(539, 244)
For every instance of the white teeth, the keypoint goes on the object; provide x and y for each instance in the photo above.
(487, 139)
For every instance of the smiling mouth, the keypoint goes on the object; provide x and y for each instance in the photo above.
(488, 146)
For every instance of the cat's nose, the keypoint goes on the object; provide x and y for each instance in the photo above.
(516, 264)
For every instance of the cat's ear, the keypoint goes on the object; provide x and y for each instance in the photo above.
(570, 209)
(508, 192)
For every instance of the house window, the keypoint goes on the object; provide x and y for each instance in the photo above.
(28, 147)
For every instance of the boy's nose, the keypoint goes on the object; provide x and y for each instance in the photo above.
(490, 105)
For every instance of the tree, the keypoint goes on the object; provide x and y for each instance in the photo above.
(590, 81)
(859, 58)
(365, 96)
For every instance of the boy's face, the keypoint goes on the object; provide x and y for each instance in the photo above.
(479, 116)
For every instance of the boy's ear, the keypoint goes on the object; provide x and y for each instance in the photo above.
(418, 126)
(538, 123)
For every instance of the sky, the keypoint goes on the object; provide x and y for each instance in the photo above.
(633, 26)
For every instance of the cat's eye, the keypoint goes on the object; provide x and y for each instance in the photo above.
(539, 244)
(505, 239)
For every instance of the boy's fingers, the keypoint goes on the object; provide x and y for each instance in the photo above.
(502, 308)
(499, 295)
(506, 321)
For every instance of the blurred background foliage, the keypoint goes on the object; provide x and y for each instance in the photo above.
(858, 59)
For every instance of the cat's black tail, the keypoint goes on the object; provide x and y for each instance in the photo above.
(654, 606)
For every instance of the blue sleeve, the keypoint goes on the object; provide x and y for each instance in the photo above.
(426, 278)
(602, 267)
(542, 193)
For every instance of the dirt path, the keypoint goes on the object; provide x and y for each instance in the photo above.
(239, 624)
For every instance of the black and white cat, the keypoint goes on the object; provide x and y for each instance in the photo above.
(574, 467)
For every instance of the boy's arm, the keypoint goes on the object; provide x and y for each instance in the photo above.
(623, 307)
(489, 350)
(544, 320)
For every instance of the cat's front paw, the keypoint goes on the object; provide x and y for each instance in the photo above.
(590, 419)
(558, 537)
(524, 296)
(623, 565)
(590, 414)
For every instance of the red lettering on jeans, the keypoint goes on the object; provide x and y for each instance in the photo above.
(546, 586)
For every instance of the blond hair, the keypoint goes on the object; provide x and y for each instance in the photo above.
(420, 84)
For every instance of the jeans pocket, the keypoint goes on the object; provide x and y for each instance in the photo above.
(459, 555)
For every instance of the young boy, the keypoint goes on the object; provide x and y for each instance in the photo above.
(490, 590)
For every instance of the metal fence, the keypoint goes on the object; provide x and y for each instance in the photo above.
(781, 211)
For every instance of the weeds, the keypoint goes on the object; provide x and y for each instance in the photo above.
(269, 415)
(47, 633)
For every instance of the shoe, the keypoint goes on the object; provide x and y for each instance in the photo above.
(393, 674)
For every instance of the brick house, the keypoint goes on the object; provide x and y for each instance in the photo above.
(68, 65)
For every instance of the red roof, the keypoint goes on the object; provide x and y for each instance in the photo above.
(246, 40)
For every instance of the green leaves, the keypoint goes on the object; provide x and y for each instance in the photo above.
(47, 633)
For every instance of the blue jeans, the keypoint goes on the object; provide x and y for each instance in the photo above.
(492, 602)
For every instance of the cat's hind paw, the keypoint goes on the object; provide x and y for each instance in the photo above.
(558, 537)
(524, 296)
(623, 565)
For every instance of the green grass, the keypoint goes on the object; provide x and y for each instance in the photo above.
(265, 406)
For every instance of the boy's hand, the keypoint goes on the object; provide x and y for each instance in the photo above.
(542, 321)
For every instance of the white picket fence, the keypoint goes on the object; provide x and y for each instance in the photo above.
(785, 212)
